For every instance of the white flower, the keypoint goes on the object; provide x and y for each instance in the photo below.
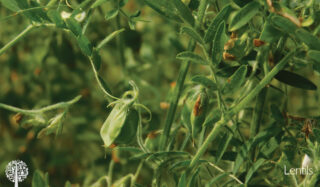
(65, 15)
(306, 161)
(80, 17)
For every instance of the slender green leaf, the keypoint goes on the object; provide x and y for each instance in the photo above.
(182, 180)
(269, 33)
(227, 71)
(84, 45)
(192, 57)
(74, 26)
(236, 80)
(32, 14)
(55, 17)
(218, 44)
(295, 80)
(38, 11)
(162, 10)
(244, 15)
(283, 24)
(203, 80)
(269, 147)
(96, 59)
(241, 3)
(185, 12)
(253, 169)
(185, 118)
(214, 25)
(98, 3)
(314, 55)
(212, 117)
(241, 156)
(11, 5)
(192, 33)
(112, 13)
(226, 138)
(193, 179)
(109, 38)
(227, 155)
(312, 41)
(168, 154)
(216, 179)
(264, 136)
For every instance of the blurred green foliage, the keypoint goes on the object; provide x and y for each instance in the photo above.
(232, 45)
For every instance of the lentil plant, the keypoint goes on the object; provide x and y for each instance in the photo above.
(161, 92)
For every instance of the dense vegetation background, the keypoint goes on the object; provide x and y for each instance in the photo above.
(235, 44)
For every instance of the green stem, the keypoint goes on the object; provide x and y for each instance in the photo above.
(258, 111)
(96, 75)
(214, 132)
(175, 98)
(110, 172)
(120, 43)
(185, 141)
(139, 134)
(180, 82)
(223, 171)
(134, 178)
(16, 39)
(41, 110)
(221, 104)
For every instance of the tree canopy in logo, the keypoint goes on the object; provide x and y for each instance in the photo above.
(17, 171)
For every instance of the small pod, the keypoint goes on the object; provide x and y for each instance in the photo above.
(129, 130)
(198, 114)
(121, 125)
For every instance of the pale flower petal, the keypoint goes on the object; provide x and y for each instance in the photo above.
(306, 161)
(80, 17)
(65, 15)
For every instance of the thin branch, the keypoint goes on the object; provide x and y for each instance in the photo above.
(222, 171)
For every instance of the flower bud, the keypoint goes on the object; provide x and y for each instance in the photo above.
(198, 113)
(306, 161)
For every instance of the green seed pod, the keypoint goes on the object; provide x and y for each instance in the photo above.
(55, 126)
(198, 114)
(113, 128)
(129, 129)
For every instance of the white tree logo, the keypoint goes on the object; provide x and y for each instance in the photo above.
(17, 171)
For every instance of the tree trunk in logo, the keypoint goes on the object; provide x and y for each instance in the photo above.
(16, 176)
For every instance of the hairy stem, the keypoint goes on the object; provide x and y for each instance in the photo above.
(258, 111)
(175, 98)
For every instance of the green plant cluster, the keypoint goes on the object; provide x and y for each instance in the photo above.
(161, 92)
